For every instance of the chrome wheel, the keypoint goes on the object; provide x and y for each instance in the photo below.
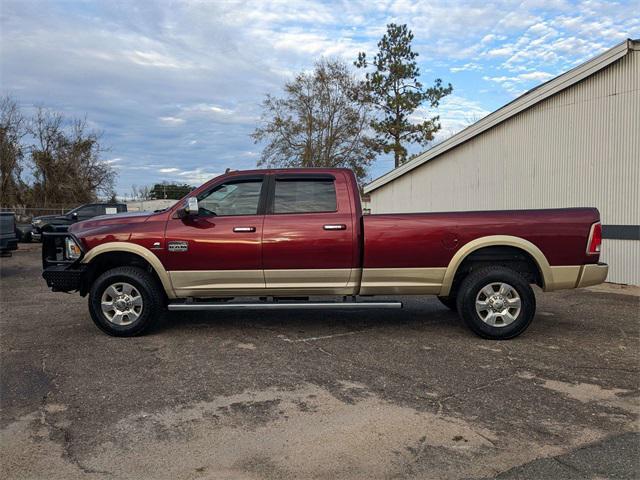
(121, 303)
(498, 304)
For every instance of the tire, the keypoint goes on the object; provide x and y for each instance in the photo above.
(449, 302)
(136, 301)
(496, 290)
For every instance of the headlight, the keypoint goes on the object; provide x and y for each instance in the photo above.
(72, 249)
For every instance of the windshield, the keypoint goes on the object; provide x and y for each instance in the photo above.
(74, 210)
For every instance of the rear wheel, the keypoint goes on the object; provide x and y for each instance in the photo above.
(125, 301)
(496, 303)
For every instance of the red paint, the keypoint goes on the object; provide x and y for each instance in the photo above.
(425, 239)
(213, 245)
(299, 240)
(290, 241)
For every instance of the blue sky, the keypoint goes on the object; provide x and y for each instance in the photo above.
(176, 86)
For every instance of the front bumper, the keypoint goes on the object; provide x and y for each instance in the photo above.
(60, 273)
(64, 278)
(592, 274)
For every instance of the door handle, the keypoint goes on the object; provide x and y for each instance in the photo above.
(244, 229)
(335, 227)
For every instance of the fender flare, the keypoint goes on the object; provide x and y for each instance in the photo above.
(136, 249)
(497, 240)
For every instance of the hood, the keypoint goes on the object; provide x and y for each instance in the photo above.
(127, 218)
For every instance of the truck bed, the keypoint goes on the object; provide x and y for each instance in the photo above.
(404, 240)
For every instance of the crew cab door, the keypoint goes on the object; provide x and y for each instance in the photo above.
(309, 235)
(219, 252)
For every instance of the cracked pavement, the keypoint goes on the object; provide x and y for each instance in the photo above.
(303, 394)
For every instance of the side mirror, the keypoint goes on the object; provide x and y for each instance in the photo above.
(74, 216)
(190, 209)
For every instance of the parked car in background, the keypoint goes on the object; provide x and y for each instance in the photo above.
(287, 235)
(23, 231)
(60, 223)
(8, 236)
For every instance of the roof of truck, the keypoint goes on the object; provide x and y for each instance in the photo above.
(286, 170)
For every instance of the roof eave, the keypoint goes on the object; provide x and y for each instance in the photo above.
(512, 108)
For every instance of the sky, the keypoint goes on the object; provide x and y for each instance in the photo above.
(175, 87)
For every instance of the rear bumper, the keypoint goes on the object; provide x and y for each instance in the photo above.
(592, 274)
(8, 244)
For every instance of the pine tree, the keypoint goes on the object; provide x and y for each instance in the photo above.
(395, 91)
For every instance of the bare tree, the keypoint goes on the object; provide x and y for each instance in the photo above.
(12, 130)
(67, 167)
(144, 192)
(320, 122)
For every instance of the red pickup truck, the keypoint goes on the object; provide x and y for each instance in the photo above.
(284, 236)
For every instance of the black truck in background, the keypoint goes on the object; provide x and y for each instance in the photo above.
(60, 223)
(8, 235)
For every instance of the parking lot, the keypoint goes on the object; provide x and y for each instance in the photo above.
(299, 394)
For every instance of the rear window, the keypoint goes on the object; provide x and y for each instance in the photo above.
(90, 211)
(304, 196)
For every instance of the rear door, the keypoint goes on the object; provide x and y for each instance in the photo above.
(308, 238)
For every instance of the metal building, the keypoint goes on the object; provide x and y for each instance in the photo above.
(572, 141)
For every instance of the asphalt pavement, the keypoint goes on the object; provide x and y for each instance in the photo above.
(397, 394)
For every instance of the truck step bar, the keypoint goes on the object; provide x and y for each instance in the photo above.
(193, 306)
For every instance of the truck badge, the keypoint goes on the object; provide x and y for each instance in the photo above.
(178, 246)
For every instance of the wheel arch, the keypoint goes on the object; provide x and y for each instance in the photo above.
(98, 253)
(497, 241)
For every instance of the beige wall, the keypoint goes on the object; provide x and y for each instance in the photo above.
(579, 147)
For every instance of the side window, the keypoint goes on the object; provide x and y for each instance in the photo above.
(233, 198)
(304, 196)
(88, 211)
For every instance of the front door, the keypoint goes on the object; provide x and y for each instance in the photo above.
(219, 251)
(308, 239)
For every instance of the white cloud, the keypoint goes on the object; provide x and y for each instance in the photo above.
(466, 67)
(197, 176)
(456, 113)
(169, 170)
(156, 59)
(184, 80)
(206, 108)
(172, 120)
(535, 76)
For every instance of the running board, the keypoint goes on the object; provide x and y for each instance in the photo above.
(193, 306)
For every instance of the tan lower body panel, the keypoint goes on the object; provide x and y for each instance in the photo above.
(576, 276)
(401, 281)
(204, 283)
(593, 274)
(563, 277)
(373, 281)
(210, 283)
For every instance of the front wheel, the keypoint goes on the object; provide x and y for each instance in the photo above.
(496, 303)
(125, 301)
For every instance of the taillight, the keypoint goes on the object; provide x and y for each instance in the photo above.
(595, 239)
